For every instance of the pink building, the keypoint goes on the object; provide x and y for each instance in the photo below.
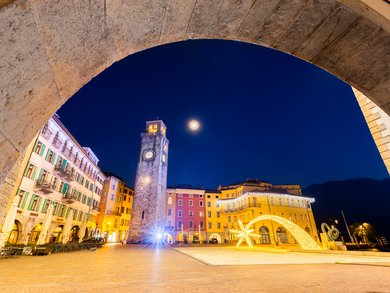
(186, 209)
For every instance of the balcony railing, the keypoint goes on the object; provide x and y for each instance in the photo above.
(113, 213)
(44, 186)
(57, 143)
(70, 155)
(68, 198)
(46, 133)
(240, 208)
(96, 208)
(64, 172)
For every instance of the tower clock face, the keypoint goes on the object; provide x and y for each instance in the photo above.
(148, 155)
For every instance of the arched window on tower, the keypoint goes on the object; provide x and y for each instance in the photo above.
(143, 215)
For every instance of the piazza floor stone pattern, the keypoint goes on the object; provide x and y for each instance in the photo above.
(128, 268)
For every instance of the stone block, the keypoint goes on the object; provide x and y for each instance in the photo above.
(77, 41)
(327, 33)
(218, 19)
(135, 25)
(256, 18)
(28, 93)
(177, 17)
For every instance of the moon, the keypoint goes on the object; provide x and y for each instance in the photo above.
(194, 125)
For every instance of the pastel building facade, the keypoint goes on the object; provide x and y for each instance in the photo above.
(62, 174)
(113, 221)
(222, 209)
(187, 213)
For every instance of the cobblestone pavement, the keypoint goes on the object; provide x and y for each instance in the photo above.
(129, 268)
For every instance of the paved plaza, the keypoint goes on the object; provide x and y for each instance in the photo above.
(117, 268)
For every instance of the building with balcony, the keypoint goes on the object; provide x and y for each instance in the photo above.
(61, 173)
(186, 213)
(221, 210)
(113, 222)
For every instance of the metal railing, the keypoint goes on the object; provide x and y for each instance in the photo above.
(64, 172)
(46, 133)
(68, 197)
(44, 186)
(240, 208)
(113, 213)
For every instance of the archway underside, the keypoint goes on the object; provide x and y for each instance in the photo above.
(51, 49)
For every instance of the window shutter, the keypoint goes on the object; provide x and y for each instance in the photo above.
(35, 145)
(64, 188)
(31, 202)
(24, 200)
(64, 163)
(40, 174)
(38, 204)
(25, 170)
(53, 159)
(34, 172)
(44, 205)
(47, 154)
(42, 150)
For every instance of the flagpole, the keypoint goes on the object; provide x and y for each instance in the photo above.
(346, 225)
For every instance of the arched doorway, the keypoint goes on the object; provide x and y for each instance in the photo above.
(264, 235)
(57, 234)
(281, 235)
(74, 234)
(34, 234)
(15, 233)
(215, 236)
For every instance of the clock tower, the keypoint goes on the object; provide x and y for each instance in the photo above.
(150, 183)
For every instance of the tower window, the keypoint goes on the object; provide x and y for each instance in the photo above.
(143, 215)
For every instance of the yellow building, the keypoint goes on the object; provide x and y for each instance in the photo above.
(214, 219)
(113, 221)
(253, 198)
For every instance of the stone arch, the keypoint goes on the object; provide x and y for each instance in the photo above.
(216, 236)
(51, 49)
(303, 239)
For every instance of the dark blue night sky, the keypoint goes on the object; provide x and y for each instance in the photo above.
(265, 115)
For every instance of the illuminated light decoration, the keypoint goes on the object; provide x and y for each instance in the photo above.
(300, 235)
(244, 233)
(158, 236)
(259, 194)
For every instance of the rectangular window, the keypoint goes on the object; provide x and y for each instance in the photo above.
(21, 196)
(209, 204)
(190, 195)
(180, 195)
(38, 148)
(170, 200)
(191, 213)
(169, 212)
(218, 214)
(201, 214)
(179, 213)
(191, 203)
(218, 225)
(180, 202)
(209, 225)
(201, 203)
(209, 214)
(30, 171)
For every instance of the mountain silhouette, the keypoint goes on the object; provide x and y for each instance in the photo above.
(361, 199)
